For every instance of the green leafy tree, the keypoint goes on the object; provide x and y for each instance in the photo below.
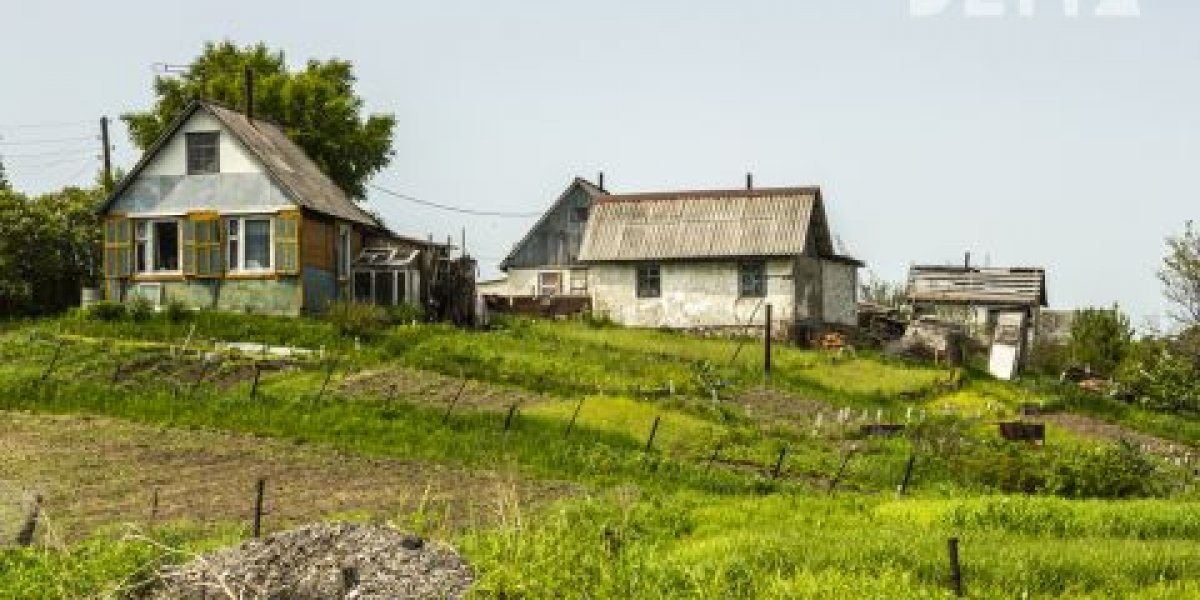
(5, 186)
(49, 249)
(316, 106)
(1100, 338)
(1180, 275)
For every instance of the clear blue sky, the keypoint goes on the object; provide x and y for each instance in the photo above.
(1066, 143)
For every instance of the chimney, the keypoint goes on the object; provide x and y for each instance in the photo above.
(967, 260)
(248, 91)
(749, 181)
(600, 181)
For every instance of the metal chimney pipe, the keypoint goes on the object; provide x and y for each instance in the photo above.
(600, 181)
(749, 181)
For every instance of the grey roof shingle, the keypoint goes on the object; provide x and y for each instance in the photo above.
(704, 224)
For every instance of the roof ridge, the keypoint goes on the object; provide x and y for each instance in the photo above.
(757, 192)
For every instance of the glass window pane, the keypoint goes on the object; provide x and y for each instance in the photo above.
(166, 246)
(258, 243)
(362, 286)
(203, 155)
(384, 288)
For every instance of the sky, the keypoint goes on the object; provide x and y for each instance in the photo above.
(1065, 141)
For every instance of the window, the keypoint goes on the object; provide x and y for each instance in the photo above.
(752, 279)
(248, 241)
(579, 214)
(156, 246)
(385, 288)
(548, 283)
(649, 281)
(203, 152)
(579, 281)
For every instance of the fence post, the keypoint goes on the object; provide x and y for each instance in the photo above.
(712, 459)
(841, 470)
(254, 386)
(767, 346)
(908, 469)
(328, 375)
(653, 432)
(25, 535)
(453, 401)
(53, 362)
(259, 492)
(779, 463)
(574, 416)
(512, 410)
(955, 571)
(154, 505)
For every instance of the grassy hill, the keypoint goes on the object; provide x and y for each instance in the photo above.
(567, 457)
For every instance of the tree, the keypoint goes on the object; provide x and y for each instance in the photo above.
(1101, 338)
(49, 249)
(877, 290)
(1180, 275)
(316, 107)
(5, 186)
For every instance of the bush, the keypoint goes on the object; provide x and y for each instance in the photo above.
(405, 313)
(357, 319)
(106, 310)
(1161, 377)
(1100, 339)
(141, 309)
(177, 311)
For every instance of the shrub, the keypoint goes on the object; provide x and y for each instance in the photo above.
(106, 310)
(177, 311)
(405, 313)
(1101, 338)
(1160, 377)
(357, 319)
(141, 309)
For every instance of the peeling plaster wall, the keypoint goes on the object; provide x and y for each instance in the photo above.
(524, 282)
(840, 283)
(694, 294)
(275, 296)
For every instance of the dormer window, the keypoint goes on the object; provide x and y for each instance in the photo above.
(203, 152)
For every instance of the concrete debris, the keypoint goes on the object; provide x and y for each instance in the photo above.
(328, 560)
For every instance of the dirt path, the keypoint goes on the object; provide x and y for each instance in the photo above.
(94, 472)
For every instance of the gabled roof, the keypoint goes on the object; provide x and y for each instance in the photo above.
(707, 224)
(285, 162)
(1017, 286)
(588, 187)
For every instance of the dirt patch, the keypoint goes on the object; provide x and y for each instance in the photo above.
(94, 472)
(767, 404)
(427, 387)
(1103, 430)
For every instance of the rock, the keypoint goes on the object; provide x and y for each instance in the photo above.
(328, 560)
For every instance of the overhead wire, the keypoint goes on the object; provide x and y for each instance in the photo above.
(455, 209)
(38, 142)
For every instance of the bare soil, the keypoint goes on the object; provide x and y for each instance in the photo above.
(94, 471)
(427, 387)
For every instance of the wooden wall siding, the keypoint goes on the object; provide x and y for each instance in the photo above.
(997, 286)
(556, 239)
(316, 243)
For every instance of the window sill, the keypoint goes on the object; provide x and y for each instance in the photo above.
(158, 276)
(250, 275)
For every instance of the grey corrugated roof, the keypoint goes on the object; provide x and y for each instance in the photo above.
(1025, 286)
(702, 224)
(287, 164)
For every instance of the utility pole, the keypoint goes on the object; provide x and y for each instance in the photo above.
(108, 181)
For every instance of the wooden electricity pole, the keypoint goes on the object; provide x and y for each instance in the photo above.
(107, 154)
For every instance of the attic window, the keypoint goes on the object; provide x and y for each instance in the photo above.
(203, 152)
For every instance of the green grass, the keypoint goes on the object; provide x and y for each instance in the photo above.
(663, 524)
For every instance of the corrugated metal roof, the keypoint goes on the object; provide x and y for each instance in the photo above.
(288, 165)
(1024, 286)
(701, 224)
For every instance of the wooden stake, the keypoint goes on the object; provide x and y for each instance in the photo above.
(453, 401)
(512, 410)
(328, 375)
(841, 470)
(260, 491)
(767, 346)
(908, 469)
(653, 432)
(254, 387)
(956, 583)
(779, 463)
(574, 416)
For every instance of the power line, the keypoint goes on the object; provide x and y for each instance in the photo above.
(446, 207)
(59, 152)
(45, 141)
(18, 166)
(48, 125)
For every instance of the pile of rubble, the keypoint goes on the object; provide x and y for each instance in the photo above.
(329, 560)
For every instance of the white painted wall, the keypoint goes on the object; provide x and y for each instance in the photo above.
(172, 158)
(694, 294)
(524, 282)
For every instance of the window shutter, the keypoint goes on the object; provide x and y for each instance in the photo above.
(202, 256)
(287, 243)
(188, 257)
(117, 251)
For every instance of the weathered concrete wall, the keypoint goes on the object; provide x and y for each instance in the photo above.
(810, 294)
(694, 294)
(275, 296)
(524, 282)
(840, 283)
